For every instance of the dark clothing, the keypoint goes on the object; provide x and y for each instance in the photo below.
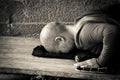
(98, 34)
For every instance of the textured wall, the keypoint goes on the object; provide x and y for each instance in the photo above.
(27, 17)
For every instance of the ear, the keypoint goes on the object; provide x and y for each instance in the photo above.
(59, 38)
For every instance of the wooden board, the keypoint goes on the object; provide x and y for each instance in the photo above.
(16, 58)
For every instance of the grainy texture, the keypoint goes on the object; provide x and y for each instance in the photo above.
(14, 77)
(47, 10)
(15, 57)
(33, 13)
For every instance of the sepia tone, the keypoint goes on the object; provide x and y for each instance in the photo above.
(20, 24)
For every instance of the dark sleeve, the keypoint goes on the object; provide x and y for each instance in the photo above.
(110, 33)
(77, 54)
(39, 51)
(83, 55)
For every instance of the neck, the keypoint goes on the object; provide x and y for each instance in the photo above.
(71, 29)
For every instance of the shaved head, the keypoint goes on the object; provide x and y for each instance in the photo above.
(53, 37)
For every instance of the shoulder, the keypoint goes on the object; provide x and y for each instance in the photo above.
(110, 29)
(91, 13)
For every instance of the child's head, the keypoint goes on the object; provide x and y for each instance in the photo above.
(56, 38)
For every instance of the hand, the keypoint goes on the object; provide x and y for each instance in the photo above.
(90, 63)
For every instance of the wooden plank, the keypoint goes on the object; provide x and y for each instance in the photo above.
(19, 41)
(16, 58)
(16, 49)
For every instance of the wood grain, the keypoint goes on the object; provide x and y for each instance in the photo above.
(16, 58)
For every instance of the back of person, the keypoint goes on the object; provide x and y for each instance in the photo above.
(90, 36)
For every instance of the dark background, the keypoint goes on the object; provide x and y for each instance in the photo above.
(27, 17)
